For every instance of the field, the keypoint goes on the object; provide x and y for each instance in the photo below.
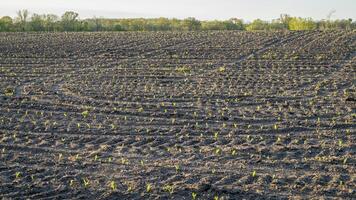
(178, 115)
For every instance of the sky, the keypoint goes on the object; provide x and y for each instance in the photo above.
(200, 9)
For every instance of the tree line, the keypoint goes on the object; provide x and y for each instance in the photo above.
(70, 21)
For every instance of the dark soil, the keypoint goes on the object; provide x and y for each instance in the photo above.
(178, 115)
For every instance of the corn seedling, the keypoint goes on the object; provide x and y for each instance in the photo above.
(254, 173)
(275, 127)
(345, 160)
(18, 175)
(224, 125)
(86, 182)
(60, 156)
(183, 69)
(340, 143)
(9, 92)
(71, 183)
(216, 135)
(169, 189)
(112, 126)
(222, 69)
(113, 185)
(217, 150)
(194, 195)
(233, 152)
(148, 187)
(177, 167)
(85, 113)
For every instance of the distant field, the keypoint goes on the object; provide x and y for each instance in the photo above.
(178, 115)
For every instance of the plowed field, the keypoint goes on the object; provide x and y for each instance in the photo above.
(178, 115)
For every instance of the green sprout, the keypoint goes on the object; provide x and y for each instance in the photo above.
(17, 175)
(60, 156)
(177, 167)
(148, 187)
(217, 150)
(169, 189)
(222, 69)
(216, 135)
(254, 173)
(340, 143)
(345, 160)
(275, 127)
(71, 183)
(9, 92)
(183, 69)
(86, 182)
(113, 185)
(85, 113)
(233, 152)
(194, 195)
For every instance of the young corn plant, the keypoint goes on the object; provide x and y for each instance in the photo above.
(217, 151)
(177, 167)
(71, 183)
(113, 185)
(340, 143)
(221, 69)
(148, 187)
(85, 113)
(168, 188)
(17, 175)
(86, 182)
(60, 156)
(216, 135)
(194, 195)
(253, 173)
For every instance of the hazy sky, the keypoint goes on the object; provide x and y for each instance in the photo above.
(201, 9)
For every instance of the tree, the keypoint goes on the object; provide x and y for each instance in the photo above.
(5, 24)
(190, 24)
(213, 25)
(257, 25)
(50, 21)
(285, 19)
(37, 22)
(22, 16)
(238, 23)
(69, 21)
(302, 24)
(277, 24)
(163, 24)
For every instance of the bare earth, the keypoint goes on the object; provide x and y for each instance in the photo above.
(178, 115)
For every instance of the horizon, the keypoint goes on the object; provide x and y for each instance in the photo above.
(199, 9)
